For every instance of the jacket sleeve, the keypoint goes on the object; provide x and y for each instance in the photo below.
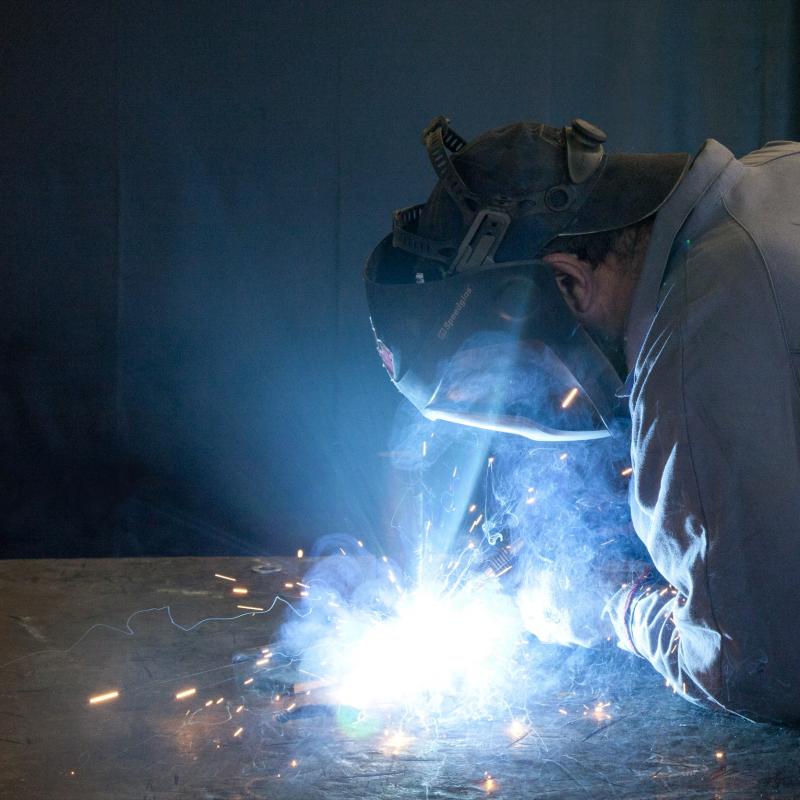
(671, 623)
(667, 617)
(715, 491)
(644, 620)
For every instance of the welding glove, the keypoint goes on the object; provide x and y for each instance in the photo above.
(560, 605)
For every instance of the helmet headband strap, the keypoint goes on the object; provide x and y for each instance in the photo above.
(438, 140)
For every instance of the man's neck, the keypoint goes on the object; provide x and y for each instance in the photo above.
(631, 269)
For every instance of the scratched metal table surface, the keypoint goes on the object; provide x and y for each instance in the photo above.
(145, 744)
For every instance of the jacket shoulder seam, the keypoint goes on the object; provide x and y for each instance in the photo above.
(776, 157)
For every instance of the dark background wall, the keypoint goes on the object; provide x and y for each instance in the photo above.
(188, 192)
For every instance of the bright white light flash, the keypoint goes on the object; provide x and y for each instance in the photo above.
(436, 644)
(395, 742)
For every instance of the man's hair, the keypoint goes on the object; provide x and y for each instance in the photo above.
(624, 243)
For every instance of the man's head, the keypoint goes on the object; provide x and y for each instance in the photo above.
(490, 300)
(597, 274)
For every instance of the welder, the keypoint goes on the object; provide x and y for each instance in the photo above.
(549, 288)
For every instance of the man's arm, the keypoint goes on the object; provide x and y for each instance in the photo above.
(715, 494)
(666, 615)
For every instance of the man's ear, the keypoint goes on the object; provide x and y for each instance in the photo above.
(575, 279)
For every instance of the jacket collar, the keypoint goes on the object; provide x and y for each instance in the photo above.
(708, 166)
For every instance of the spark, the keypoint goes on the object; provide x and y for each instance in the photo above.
(262, 661)
(342, 551)
(293, 763)
(599, 712)
(476, 522)
(472, 509)
(239, 590)
(238, 709)
(300, 553)
(250, 608)
(209, 703)
(563, 457)
(359, 543)
(563, 711)
(182, 695)
(238, 732)
(288, 585)
(488, 784)
(627, 471)
(570, 397)
(219, 701)
(224, 577)
(719, 755)
(247, 681)
(517, 729)
(104, 698)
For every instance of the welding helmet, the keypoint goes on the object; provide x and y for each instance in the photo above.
(471, 326)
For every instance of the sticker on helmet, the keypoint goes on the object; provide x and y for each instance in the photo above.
(386, 357)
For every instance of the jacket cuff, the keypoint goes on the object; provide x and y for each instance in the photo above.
(622, 605)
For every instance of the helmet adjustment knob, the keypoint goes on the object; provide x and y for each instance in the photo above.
(584, 149)
(587, 134)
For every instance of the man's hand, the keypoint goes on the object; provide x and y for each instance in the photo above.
(560, 605)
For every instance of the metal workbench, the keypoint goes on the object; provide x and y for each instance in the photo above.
(57, 653)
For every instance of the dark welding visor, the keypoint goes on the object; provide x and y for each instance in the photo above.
(496, 349)
(499, 383)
